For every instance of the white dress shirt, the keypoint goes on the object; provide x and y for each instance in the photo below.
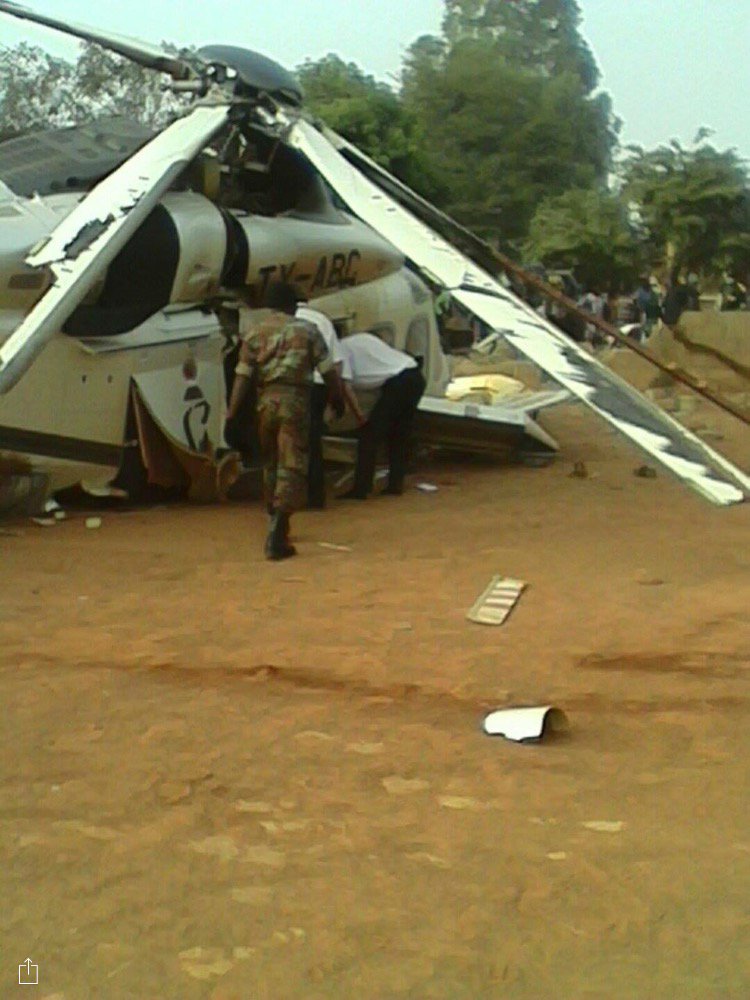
(328, 331)
(369, 362)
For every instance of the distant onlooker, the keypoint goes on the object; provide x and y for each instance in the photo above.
(609, 313)
(675, 300)
(732, 293)
(647, 304)
(592, 302)
(693, 293)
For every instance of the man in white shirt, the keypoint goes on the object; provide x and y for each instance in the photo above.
(316, 486)
(369, 363)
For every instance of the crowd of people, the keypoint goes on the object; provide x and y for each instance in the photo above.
(639, 312)
(293, 358)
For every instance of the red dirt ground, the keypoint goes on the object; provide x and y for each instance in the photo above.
(223, 778)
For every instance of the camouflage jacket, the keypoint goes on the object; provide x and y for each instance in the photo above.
(283, 350)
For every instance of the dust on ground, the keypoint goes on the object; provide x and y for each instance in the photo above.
(228, 779)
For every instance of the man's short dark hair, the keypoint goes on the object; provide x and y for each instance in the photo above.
(282, 296)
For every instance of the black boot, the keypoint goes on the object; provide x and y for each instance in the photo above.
(277, 542)
(288, 547)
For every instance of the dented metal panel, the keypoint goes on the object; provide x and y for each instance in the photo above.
(163, 328)
(570, 365)
(89, 238)
(476, 427)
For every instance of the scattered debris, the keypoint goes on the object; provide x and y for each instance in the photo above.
(525, 724)
(427, 488)
(334, 547)
(45, 522)
(173, 792)
(10, 533)
(432, 859)
(557, 855)
(242, 805)
(645, 472)
(403, 786)
(497, 601)
(288, 826)
(93, 522)
(461, 802)
(315, 735)
(580, 471)
(218, 846)
(53, 509)
(604, 825)
(366, 749)
(242, 954)
(202, 963)
(259, 854)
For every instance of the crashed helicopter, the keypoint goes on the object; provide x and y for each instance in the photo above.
(118, 249)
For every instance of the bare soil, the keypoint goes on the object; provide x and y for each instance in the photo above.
(223, 778)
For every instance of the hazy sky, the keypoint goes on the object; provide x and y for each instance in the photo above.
(669, 65)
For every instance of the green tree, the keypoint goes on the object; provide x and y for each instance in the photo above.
(589, 230)
(36, 90)
(40, 91)
(370, 115)
(504, 136)
(693, 203)
(112, 85)
(544, 34)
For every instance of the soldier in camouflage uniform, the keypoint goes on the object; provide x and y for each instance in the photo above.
(283, 352)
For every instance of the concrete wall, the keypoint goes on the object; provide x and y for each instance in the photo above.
(713, 346)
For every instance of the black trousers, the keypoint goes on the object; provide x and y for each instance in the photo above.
(391, 422)
(316, 484)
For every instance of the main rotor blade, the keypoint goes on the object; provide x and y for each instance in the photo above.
(567, 362)
(88, 239)
(150, 56)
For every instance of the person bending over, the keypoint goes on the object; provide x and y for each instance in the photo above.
(371, 364)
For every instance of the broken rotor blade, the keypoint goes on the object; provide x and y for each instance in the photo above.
(622, 406)
(150, 56)
(88, 239)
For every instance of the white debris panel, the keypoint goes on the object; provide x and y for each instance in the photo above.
(88, 239)
(644, 423)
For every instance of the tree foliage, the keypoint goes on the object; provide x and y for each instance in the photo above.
(504, 135)
(39, 91)
(36, 90)
(694, 203)
(370, 115)
(543, 34)
(589, 230)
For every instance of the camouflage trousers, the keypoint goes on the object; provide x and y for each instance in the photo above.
(283, 430)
